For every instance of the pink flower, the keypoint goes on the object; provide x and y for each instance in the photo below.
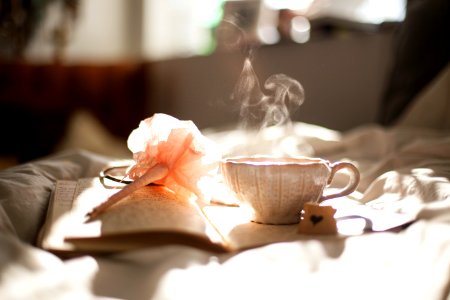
(163, 140)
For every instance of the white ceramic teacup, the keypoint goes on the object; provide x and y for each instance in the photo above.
(274, 190)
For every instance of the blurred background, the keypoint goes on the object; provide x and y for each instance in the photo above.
(83, 73)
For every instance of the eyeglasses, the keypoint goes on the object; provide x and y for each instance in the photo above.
(117, 174)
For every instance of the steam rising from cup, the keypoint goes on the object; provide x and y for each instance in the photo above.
(265, 111)
(272, 106)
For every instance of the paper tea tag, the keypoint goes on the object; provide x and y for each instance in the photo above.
(317, 219)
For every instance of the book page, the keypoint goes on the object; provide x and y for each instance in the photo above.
(241, 233)
(50, 236)
(150, 211)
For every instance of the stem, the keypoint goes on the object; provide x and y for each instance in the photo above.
(155, 173)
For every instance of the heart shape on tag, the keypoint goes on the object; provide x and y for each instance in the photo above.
(316, 219)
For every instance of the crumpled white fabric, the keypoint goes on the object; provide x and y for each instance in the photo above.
(410, 265)
(30, 273)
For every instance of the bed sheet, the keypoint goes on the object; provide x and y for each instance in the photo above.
(404, 170)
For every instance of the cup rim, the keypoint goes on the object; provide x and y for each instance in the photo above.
(262, 160)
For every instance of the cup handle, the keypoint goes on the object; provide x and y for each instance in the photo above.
(352, 184)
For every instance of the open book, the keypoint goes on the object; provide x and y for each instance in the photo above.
(154, 216)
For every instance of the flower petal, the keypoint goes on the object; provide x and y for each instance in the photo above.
(179, 145)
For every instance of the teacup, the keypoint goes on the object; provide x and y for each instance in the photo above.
(274, 190)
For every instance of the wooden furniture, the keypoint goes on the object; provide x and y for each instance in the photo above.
(36, 102)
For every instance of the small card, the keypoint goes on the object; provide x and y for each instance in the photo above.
(317, 219)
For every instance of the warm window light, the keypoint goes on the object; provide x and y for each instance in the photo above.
(300, 29)
(381, 10)
(268, 35)
(289, 4)
(175, 28)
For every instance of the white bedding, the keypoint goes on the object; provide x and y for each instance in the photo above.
(406, 170)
